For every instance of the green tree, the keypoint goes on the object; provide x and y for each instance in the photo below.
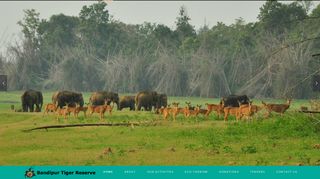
(59, 31)
(30, 25)
(183, 27)
(94, 27)
(306, 4)
(315, 12)
(277, 17)
(27, 59)
(164, 34)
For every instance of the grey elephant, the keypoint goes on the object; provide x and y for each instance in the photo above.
(149, 99)
(98, 98)
(31, 98)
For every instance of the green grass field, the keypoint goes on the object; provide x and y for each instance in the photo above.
(286, 140)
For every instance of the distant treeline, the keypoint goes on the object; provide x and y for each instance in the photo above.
(93, 51)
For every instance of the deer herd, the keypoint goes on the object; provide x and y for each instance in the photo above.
(68, 109)
(173, 110)
(240, 111)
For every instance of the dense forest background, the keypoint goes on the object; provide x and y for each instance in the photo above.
(92, 51)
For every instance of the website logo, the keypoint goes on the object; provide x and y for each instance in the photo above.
(29, 173)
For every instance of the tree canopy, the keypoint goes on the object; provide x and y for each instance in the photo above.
(92, 51)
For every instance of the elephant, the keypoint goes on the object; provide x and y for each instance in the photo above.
(30, 98)
(162, 101)
(98, 98)
(146, 99)
(62, 98)
(149, 99)
(127, 102)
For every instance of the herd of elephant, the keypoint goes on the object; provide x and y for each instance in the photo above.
(32, 100)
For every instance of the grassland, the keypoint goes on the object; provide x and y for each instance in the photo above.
(278, 140)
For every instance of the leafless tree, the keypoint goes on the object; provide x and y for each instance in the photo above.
(167, 73)
(282, 70)
(207, 75)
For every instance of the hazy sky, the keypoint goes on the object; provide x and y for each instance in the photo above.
(134, 12)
